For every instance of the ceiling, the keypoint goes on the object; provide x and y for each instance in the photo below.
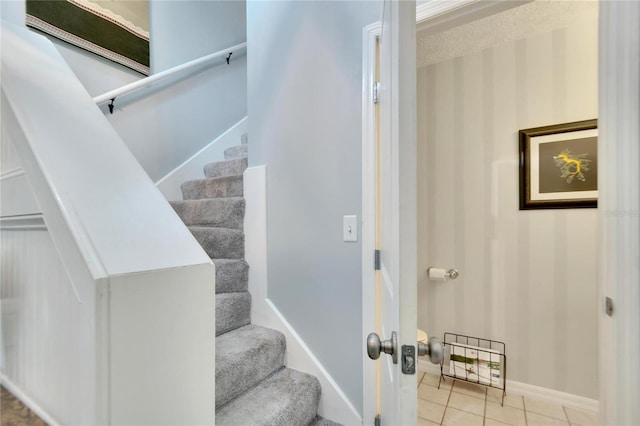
(436, 44)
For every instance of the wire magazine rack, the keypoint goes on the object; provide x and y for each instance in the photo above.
(475, 360)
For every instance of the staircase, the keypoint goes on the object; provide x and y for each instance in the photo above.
(253, 387)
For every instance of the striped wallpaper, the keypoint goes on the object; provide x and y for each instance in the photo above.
(528, 278)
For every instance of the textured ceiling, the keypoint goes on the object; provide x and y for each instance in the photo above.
(538, 17)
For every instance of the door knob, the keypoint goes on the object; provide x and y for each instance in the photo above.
(375, 346)
(434, 349)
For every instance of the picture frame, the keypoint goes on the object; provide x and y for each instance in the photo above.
(559, 166)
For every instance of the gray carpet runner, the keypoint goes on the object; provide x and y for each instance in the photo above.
(225, 168)
(218, 187)
(253, 386)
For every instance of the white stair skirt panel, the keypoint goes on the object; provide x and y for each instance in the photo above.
(122, 258)
(334, 404)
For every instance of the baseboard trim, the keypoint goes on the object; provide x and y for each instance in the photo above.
(334, 404)
(26, 400)
(190, 169)
(531, 391)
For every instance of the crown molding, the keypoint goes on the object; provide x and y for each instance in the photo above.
(439, 15)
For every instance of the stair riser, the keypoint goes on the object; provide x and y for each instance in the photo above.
(230, 186)
(220, 243)
(234, 167)
(231, 276)
(238, 151)
(219, 213)
(238, 369)
(233, 310)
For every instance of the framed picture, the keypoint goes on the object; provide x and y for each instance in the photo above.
(559, 166)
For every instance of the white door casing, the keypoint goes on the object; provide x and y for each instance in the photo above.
(397, 310)
(619, 212)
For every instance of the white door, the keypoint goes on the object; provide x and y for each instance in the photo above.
(395, 217)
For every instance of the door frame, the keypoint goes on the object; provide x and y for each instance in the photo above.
(370, 34)
(401, 92)
(619, 91)
(619, 211)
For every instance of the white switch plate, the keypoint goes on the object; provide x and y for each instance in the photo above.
(350, 228)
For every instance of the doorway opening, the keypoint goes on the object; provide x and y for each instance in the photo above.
(527, 278)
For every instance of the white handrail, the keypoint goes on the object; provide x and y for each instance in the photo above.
(164, 74)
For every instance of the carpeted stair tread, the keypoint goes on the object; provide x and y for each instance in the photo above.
(232, 275)
(220, 187)
(216, 212)
(245, 357)
(238, 151)
(220, 243)
(252, 385)
(321, 421)
(233, 167)
(286, 398)
(233, 310)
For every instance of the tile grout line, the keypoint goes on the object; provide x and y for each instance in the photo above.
(566, 415)
(421, 379)
(484, 414)
(447, 405)
(524, 409)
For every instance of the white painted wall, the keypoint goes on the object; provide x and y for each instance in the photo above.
(165, 128)
(528, 278)
(305, 93)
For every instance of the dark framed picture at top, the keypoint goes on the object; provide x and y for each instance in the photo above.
(559, 166)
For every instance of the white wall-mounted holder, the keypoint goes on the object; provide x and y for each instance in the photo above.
(440, 274)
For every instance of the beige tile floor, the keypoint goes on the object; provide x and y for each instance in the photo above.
(458, 403)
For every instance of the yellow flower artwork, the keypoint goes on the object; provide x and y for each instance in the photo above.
(572, 165)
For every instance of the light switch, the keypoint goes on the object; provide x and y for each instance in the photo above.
(350, 228)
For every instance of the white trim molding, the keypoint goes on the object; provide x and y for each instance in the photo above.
(529, 391)
(28, 222)
(11, 173)
(26, 400)
(369, 36)
(619, 212)
(334, 404)
(435, 16)
(433, 9)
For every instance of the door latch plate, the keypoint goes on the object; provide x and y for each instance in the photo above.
(408, 359)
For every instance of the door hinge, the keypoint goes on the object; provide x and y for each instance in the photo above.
(608, 306)
(376, 92)
(376, 260)
(376, 422)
